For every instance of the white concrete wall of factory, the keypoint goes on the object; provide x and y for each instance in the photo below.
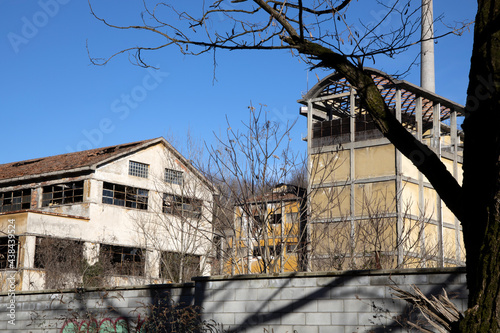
(95, 222)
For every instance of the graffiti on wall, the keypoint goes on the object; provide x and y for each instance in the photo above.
(107, 325)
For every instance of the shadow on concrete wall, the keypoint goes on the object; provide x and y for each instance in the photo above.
(380, 318)
(103, 308)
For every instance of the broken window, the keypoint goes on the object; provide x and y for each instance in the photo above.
(258, 220)
(258, 214)
(260, 251)
(62, 260)
(138, 169)
(218, 247)
(179, 267)
(275, 250)
(58, 254)
(181, 206)
(173, 176)
(9, 250)
(15, 200)
(125, 196)
(61, 194)
(275, 219)
(122, 260)
(292, 247)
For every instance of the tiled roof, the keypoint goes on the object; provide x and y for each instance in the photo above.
(274, 197)
(66, 162)
(290, 193)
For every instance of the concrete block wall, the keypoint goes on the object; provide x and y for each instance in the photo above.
(52, 310)
(344, 302)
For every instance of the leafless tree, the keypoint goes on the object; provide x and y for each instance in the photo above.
(262, 221)
(320, 31)
(372, 240)
(178, 233)
(313, 29)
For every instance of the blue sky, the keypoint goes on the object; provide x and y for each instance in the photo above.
(54, 101)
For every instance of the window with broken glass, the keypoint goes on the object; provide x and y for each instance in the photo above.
(173, 176)
(60, 194)
(15, 200)
(138, 169)
(122, 260)
(58, 253)
(182, 206)
(125, 196)
(8, 259)
(260, 251)
(292, 247)
(275, 218)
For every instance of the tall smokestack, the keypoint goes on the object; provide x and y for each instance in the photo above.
(427, 80)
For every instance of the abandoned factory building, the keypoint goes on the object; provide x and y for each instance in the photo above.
(370, 207)
(127, 214)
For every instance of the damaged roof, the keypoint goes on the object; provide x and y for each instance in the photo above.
(332, 94)
(78, 161)
(279, 193)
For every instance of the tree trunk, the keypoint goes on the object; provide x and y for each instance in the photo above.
(481, 223)
(477, 203)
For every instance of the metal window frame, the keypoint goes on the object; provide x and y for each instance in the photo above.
(63, 193)
(174, 176)
(182, 206)
(123, 266)
(4, 252)
(125, 196)
(9, 201)
(138, 169)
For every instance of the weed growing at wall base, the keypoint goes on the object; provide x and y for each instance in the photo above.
(84, 313)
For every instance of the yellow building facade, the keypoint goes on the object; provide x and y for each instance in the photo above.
(369, 206)
(269, 233)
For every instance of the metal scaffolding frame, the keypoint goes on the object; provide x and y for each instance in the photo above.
(422, 112)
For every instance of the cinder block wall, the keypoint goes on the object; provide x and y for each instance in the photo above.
(319, 303)
(53, 311)
(344, 302)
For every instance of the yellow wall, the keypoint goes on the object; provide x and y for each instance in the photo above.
(376, 234)
(449, 241)
(449, 166)
(430, 203)
(330, 202)
(331, 245)
(409, 199)
(351, 245)
(331, 237)
(331, 166)
(284, 233)
(431, 240)
(374, 161)
(409, 170)
(375, 197)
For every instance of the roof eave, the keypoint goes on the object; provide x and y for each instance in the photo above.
(46, 174)
(169, 147)
(311, 94)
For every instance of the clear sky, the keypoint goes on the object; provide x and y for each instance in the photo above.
(54, 101)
